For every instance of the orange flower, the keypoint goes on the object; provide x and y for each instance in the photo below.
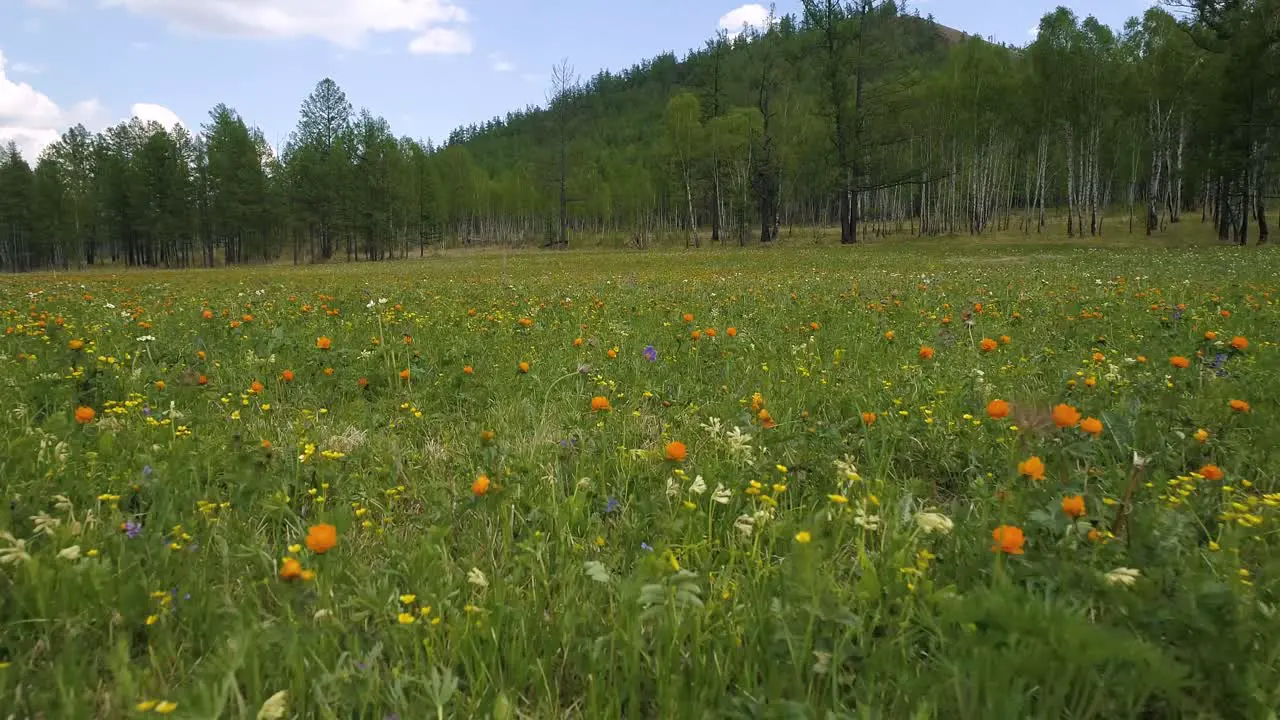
(1005, 339)
(256, 387)
(600, 403)
(404, 374)
(611, 354)
(709, 332)
(987, 345)
(75, 344)
(526, 322)
(1212, 472)
(322, 537)
(290, 569)
(468, 370)
(328, 372)
(695, 335)
(1240, 343)
(207, 314)
(85, 415)
(487, 435)
(1180, 362)
(1008, 539)
(1073, 506)
(814, 326)
(324, 343)
(674, 451)
(1032, 467)
(287, 376)
(731, 332)
(523, 366)
(363, 383)
(202, 380)
(200, 354)
(766, 419)
(1091, 425)
(577, 342)
(997, 409)
(1099, 357)
(1211, 336)
(481, 485)
(688, 317)
(160, 385)
(1065, 416)
(1240, 406)
(926, 352)
(868, 419)
(889, 335)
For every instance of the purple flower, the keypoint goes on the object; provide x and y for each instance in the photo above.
(132, 529)
(146, 471)
(146, 411)
(611, 505)
(646, 546)
(650, 353)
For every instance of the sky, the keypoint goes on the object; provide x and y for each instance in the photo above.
(427, 66)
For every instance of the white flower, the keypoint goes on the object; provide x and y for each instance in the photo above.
(739, 445)
(321, 614)
(1123, 576)
(713, 427)
(477, 578)
(147, 338)
(70, 553)
(275, 707)
(110, 306)
(722, 494)
(673, 487)
(870, 522)
(931, 522)
(698, 486)
(846, 470)
(16, 554)
(745, 524)
(1139, 462)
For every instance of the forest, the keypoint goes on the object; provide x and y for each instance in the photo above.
(856, 114)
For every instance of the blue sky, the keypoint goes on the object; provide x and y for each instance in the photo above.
(426, 65)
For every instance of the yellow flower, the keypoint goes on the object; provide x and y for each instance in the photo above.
(838, 499)
(146, 705)
(295, 549)
(153, 619)
(406, 618)
(803, 537)
(408, 599)
(166, 707)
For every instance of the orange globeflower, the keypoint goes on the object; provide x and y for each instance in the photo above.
(1091, 425)
(324, 343)
(328, 372)
(709, 332)
(85, 415)
(987, 345)
(1211, 336)
(1065, 416)
(207, 314)
(998, 409)
(75, 344)
(600, 403)
(290, 569)
(468, 370)
(202, 380)
(890, 335)
(577, 342)
(256, 387)
(1212, 472)
(688, 317)
(481, 486)
(675, 451)
(526, 322)
(404, 374)
(287, 376)
(1008, 539)
(1180, 362)
(1073, 505)
(1240, 343)
(731, 332)
(1005, 339)
(869, 418)
(1032, 467)
(1240, 406)
(322, 537)
(926, 352)
(695, 335)
(487, 435)
(523, 366)
(363, 383)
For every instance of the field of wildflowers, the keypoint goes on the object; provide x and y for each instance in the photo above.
(766, 484)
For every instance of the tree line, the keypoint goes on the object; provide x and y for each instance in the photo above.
(855, 113)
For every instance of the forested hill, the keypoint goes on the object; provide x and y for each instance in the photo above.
(854, 114)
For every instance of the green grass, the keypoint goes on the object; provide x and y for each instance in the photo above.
(596, 578)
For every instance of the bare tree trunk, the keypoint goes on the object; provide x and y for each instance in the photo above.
(1071, 180)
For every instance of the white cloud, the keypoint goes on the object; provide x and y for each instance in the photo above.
(32, 119)
(752, 15)
(150, 112)
(441, 41)
(341, 22)
(500, 64)
(21, 68)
